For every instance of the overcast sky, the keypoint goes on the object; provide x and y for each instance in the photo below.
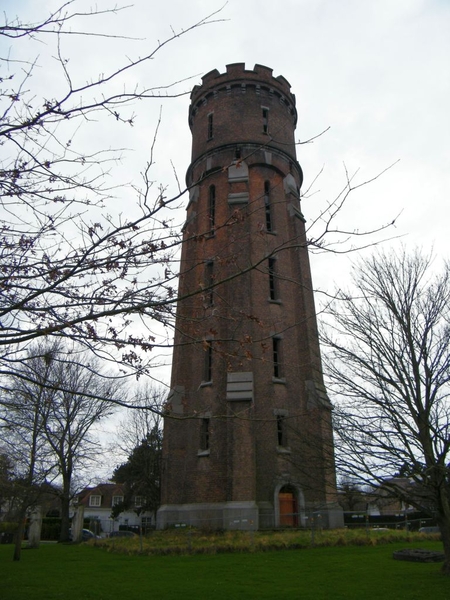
(375, 71)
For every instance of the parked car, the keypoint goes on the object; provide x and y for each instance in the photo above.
(121, 533)
(429, 529)
(86, 535)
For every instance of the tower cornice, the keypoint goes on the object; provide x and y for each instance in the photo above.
(250, 156)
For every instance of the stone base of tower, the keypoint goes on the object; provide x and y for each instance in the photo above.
(224, 515)
(330, 516)
(247, 516)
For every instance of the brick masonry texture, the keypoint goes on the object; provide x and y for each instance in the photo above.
(243, 155)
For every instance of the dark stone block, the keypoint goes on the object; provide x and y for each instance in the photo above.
(418, 555)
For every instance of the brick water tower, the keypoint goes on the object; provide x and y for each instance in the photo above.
(247, 438)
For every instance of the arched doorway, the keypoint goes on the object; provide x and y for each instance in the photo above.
(288, 505)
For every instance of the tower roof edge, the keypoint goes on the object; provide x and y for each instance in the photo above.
(237, 72)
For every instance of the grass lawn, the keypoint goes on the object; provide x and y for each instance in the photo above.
(72, 572)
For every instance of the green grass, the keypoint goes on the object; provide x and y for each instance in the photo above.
(84, 572)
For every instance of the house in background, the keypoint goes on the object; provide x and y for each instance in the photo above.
(386, 499)
(98, 503)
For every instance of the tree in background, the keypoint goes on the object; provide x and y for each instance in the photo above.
(388, 361)
(140, 438)
(141, 475)
(148, 401)
(48, 410)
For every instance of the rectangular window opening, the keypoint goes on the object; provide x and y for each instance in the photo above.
(265, 116)
(210, 126)
(281, 430)
(212, 209)
(276, 353)
(272, 279)
(267, 206)
(204, 434)
(207, 375)
(95, 501)
(209, 281)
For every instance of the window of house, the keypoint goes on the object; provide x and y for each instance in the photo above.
(95, 501)
(146, 521)
(210, 126)
(212, 209)
(265, 117)
(273, 292)
(204, 434)
(117, 500)
(209, 281)
(139, 501)
(276, 353)
(207, 375)
(267, 207)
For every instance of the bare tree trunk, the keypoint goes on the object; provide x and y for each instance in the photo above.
(443, 520)
(65, 520)
(19, 535)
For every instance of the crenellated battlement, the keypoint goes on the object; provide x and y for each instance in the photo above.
(237, 74)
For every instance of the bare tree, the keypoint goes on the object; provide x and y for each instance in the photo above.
(139, 422)
(84, 398)
(52, 404)
(388, 361)
(73, 266)
(141, 475)
(22, 425)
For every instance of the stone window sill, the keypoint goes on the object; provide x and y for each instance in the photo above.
(283, 450)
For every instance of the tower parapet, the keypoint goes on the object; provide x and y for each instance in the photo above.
(242, 106)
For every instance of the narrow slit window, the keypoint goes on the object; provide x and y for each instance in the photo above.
(276, 352)
(212, 209)
(209, 281)
(204, 434)
(210, 126)
(267, 206)
(281, 430)
(265, 117)
(272, 279)
(207, 375)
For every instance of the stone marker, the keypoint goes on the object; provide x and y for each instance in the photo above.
(77, 523)
(34, 530)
